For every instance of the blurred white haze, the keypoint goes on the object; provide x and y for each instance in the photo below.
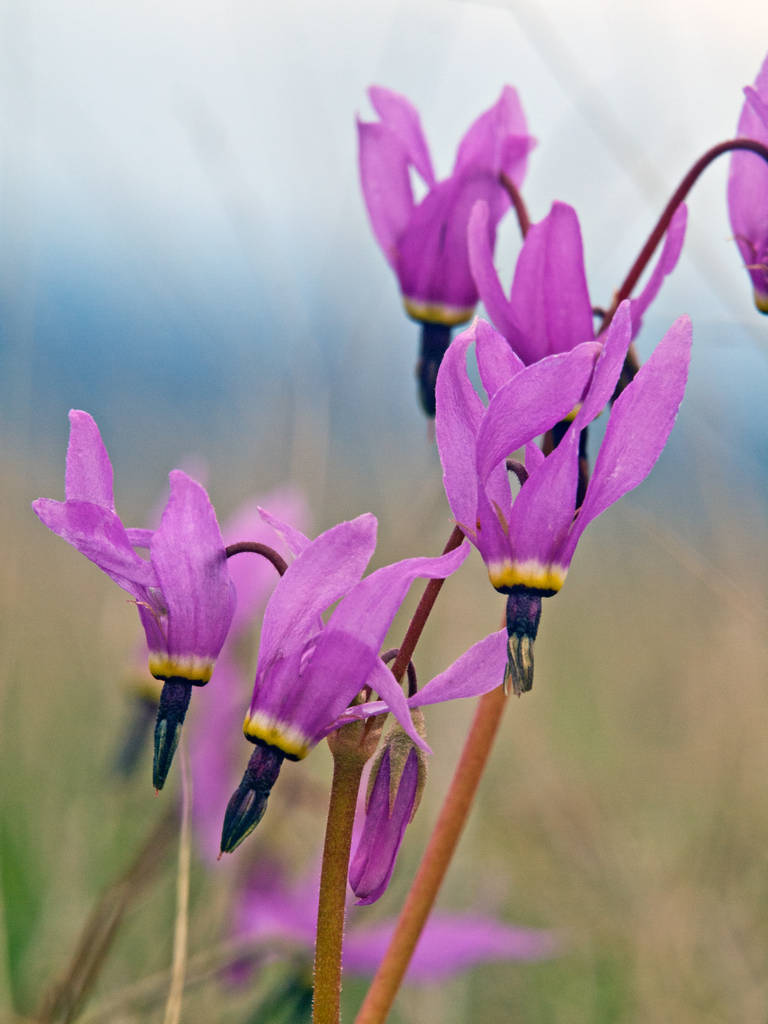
(184, 245)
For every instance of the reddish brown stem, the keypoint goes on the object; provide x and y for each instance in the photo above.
(678, 196)
(257, 548)
(422, 612)
(518, 202)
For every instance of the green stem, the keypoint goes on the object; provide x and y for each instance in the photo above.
(347, 770)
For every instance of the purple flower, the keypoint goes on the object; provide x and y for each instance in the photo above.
(269, 909)
(425, 243)
(748, 189)
(308, 671)
(183, 593)
(395, 785)
(527, 541)
(549, 309)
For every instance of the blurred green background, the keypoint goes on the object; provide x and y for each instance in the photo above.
(185, 254)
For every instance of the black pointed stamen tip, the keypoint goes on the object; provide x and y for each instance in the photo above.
(523, 615)
(248, 803)
(435, 339)
(171, 711)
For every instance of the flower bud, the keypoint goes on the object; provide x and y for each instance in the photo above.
(395, 786)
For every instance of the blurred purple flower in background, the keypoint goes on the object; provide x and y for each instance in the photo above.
(748, 189)
(184, 594)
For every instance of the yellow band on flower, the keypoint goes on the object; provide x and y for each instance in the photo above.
(191, 667)
(533, 574)
(292, 742)
(437, 313)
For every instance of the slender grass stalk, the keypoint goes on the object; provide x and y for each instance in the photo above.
(64, 999)
(181, 929)
(347, 770)
(437, 857)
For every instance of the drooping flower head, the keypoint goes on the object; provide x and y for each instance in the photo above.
(549, 309)
(425, 243)
(308, 671)
(748, 189)
(528, 540)
(183, 592)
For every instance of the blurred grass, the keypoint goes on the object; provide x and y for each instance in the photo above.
(624, 806)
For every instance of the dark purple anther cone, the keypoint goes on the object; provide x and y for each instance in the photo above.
(171, 711)
(248, 803)
(435, 339)
(523, 614)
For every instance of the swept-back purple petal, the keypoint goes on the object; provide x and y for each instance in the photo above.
(255, 578)
(549, 292)
(532, 402)
(666, 263)
(480, 239)
(188, 556)
(543, 510)
(615, 343)
(758, 103)
(496, 361)
(295, 541)
(459, 413)
(382, 682)
(325, 571)
(433, 262)
(401, 117)
(369, 608)
(89, 472)
(98, 534)
(639, 426)
(386, 184)
(482, 147)
(477, 671)
(449, 943)
(139, 538)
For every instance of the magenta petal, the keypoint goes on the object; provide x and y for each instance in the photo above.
(748, 190)
(89, 471)
(98, 534)
(482, 147)
(477, 671)
(402, 118)
(386, 185)
(480, 239)
(188, 556)
(254, 577)
(757, 103)
(459, 413)
(532, 402)
(670, 254)
(609, 364)
(639, 426)
(140, 538)
(381, 681)
(450, 943)
(373, 859)
(549, 292)
(326, 570)
(433, 262)
(496, 361)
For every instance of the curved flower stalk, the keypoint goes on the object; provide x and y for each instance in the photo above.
(549, 309)
(425, 243)
(183, 593)
(748, 189)
(528, 541)
(309, 672)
